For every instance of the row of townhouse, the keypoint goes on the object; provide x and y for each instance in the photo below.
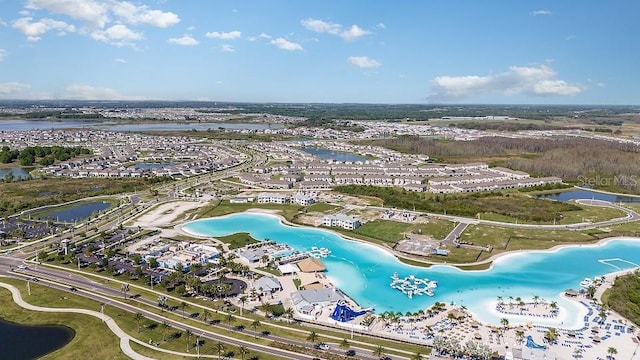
(275, 198)
(490, 186)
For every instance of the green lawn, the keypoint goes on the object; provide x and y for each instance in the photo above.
(384, 230)
(436, 228)
(92, 336)
(237, 240)
(321, 207)
(288, 211)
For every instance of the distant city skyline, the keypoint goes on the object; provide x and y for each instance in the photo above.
(358, 51)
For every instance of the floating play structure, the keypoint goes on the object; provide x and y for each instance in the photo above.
(318, 252)
(344, 313)
(533, 345)
(412, 285)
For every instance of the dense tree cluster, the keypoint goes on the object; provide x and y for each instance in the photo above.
(597, 163)
(47, 155)
(624, 297)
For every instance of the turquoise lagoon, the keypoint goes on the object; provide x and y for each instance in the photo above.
(364, 271)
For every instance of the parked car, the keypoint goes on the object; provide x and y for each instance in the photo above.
(350, 352)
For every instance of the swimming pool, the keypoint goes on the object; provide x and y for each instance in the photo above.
(363, 271)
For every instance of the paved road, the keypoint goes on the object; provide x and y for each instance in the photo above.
(104, 294)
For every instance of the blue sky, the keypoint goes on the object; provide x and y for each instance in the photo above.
(367, 51)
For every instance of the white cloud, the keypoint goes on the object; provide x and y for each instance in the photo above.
(320, 26)
(231, 35)
(142, 14)
(33, 30)
(118, 35)
(261, 36)
(536, 81)
(186, 40)
(92, 12)
(4, 23)
(353, 33)
(363, 62)
(227, 48)
(120, 60)
(191, 28)
(3, 54)
(88, 92)
(570, 37)
(11, 90)
(285, 44)
(381, 26)
(540, 12)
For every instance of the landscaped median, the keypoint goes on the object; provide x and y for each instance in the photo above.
(222, 315)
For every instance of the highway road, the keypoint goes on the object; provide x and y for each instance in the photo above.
(104, 294)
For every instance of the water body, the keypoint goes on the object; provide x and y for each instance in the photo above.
(18, 173)
(79, 212)
(31, 342)
(586, 194)
(188, 126)
(363, 271)
(24, 125)
(334, 155)
(151, 166)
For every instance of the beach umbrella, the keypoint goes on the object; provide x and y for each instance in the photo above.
(595, 329)
(477, 336)
(596, 339)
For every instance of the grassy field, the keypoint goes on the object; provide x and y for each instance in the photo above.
(288, 211)
(237, 240)
(384, 230)
(22, 195)
(436, 228)
(92, 336)
(321, 207)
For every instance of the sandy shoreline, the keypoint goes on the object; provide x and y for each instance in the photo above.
(492, 260)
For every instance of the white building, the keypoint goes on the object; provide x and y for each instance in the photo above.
(303, 199)
(273, 198)
(342, 221)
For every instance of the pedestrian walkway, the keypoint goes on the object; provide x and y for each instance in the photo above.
(125, 346)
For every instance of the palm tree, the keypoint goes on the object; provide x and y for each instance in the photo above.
(230, 318)
(139, 317)
(536, 298)
(345, 344)
(379, 351)
(500, 300)
(504, 322)
(220, 348)
(288, 313)
(255, 324)
(165, 326)
(125, 288)
(313, 337)
(243, 351)
(417, 356)
(243, 300)
(188, 333)
(551, 335)
(183, 305)
(612, 351)
(520, 335)
(205, 315)
(603, 316)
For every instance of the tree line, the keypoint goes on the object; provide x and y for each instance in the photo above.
(47, 155)
(468, 205)
(593, 162)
